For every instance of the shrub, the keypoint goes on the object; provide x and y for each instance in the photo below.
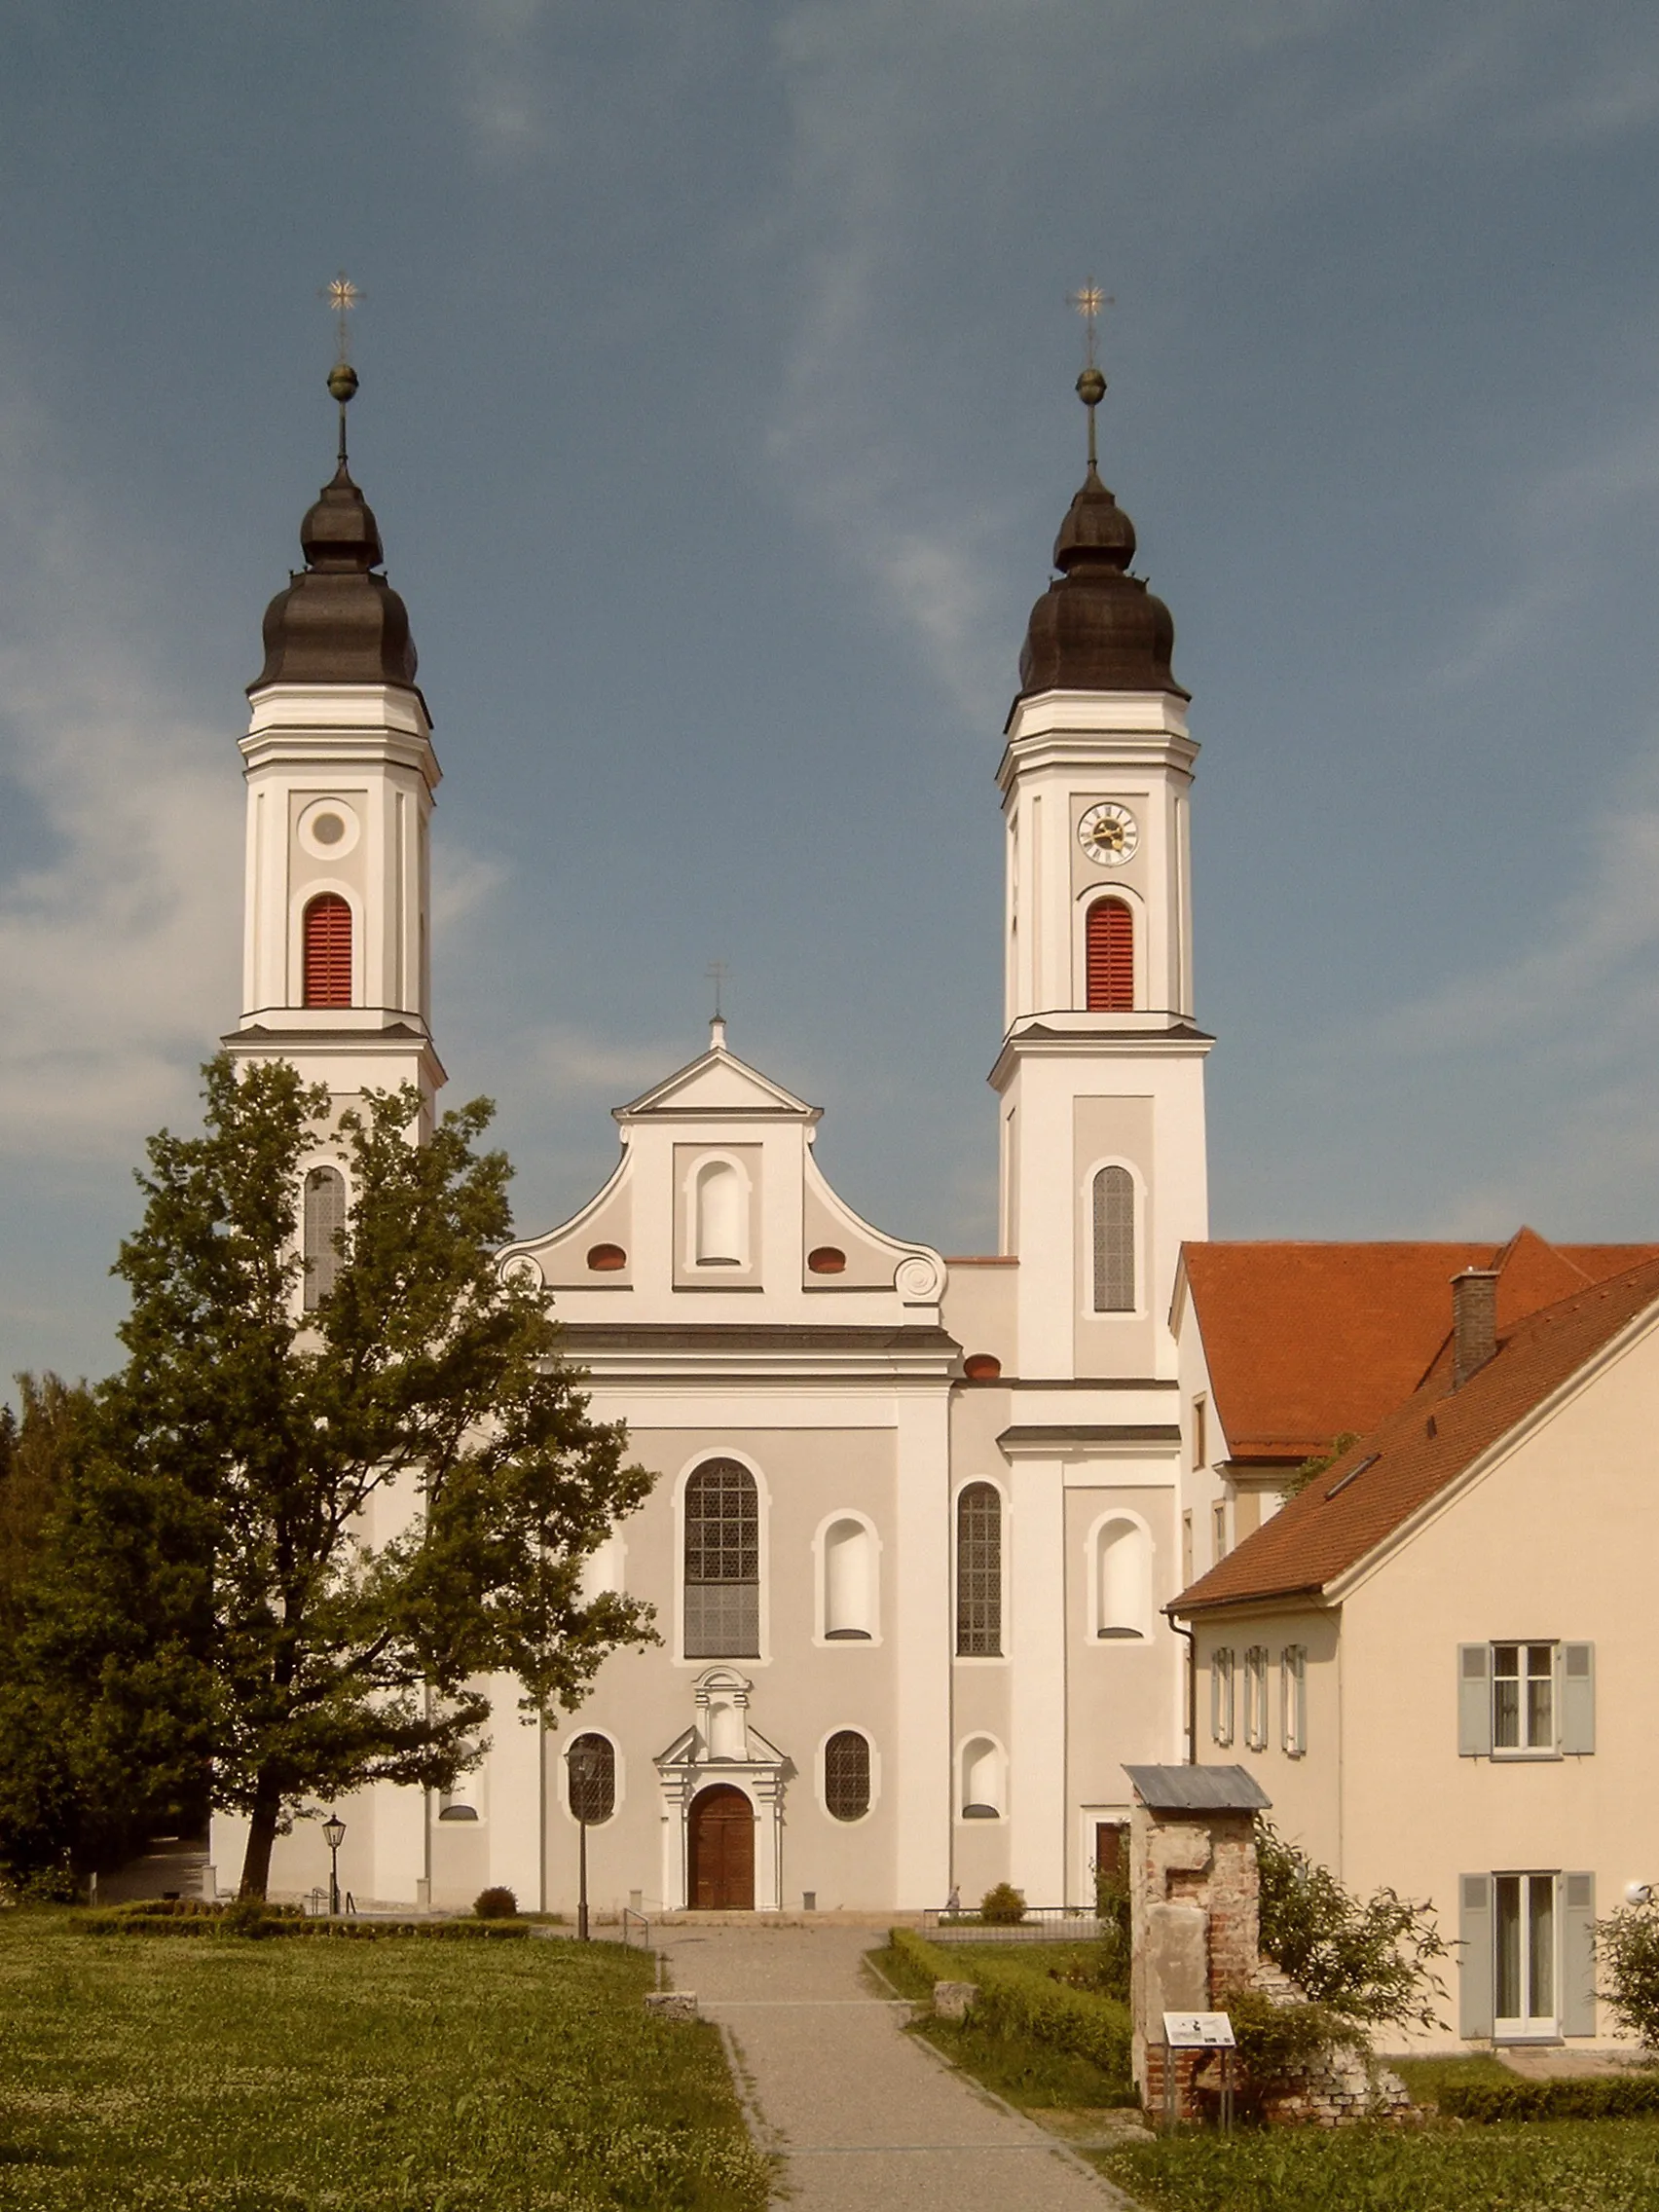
(1279, 2045)
(1003, 1907)
(1596, 2096)
(1368, 1958)
(496, 1904)
(1627, 1946)
(1013, 2000)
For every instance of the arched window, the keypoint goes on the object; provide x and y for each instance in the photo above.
(590, 1777)
(1123, 1581)
(324, 1219)
(978, 1572)
(1110, 957)
(723, 1563)
(846, 1775)
(723, 1224)
(1114, 1241)
(981, 1780)
(328, 951)
(849, 1582)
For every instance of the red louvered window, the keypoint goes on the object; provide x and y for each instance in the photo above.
(1111, 957)
(328, 951)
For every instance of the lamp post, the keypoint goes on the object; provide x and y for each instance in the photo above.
(582, 1766)
(334, 1835)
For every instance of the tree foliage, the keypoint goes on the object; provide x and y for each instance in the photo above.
(1627, 1950)
(1369, 1959)
(1316, 1463)
(332, 1527)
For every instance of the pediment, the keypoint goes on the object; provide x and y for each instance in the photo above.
(717, 1086)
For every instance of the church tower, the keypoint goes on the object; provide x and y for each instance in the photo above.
(341, 773)
(1100, 1076)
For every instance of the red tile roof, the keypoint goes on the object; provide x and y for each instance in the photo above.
(1307, 1340)
(1420, 1447)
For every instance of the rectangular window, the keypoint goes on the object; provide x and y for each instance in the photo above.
(1293, 1699)
(1523, 1697)
(1218, 1530)
(1256, 1697)
(1221, 1696)
(1201, 1442)
(1186, 1549)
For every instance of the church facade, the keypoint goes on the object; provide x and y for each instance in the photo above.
(916, 1518)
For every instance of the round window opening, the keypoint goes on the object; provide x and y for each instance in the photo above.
(327, 829)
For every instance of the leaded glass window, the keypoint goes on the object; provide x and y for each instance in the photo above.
(324, 1219)
(591, 1774)
(723, 1563)
(846, 1775)
(979, 1572)
(1114, 1241)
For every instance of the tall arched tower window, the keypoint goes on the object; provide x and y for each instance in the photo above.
(328, 951)
(979, 1572)
(723, 1563)
(324, 1219)
(1110, 957)
(1114, 1241)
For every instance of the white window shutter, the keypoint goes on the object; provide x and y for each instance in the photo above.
(1578, 1698)
(1474, 1955)
(1578, 1953)
(1474, 1701)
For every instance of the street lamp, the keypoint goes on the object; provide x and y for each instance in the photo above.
(582, 1762)
(334, 1835)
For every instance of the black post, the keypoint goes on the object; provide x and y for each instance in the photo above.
(334, 1881)
(581, 1908)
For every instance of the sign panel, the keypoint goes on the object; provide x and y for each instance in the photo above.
(1198, 2031)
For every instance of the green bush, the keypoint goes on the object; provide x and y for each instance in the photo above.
(1627, 1950)
(496, 1904)
(1279, 2044)
(1003, 1907)
(248, 1919)
(1371, 1958)
(1594, 2096)
(1016, 2001)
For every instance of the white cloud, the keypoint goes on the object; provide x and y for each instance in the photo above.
(119, 925)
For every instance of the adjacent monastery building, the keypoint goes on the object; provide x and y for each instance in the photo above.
(916, 1518)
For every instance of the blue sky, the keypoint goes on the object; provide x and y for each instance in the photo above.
(716, 411)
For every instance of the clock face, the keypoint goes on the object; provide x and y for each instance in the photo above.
(1109, 834)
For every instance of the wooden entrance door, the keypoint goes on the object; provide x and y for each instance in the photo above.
(721, 1835)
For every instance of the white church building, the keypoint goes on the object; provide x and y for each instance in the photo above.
(915, 1516)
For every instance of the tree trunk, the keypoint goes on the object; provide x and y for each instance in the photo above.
(260, 1835)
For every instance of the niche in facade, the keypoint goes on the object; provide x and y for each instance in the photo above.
(1123, 1581)
(721, 1200)
(983, 1780)
(849, 1582)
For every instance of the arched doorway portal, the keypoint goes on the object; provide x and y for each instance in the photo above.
(721, 1848)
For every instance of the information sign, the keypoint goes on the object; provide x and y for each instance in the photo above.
(1198, 2031)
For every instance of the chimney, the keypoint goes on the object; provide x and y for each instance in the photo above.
(1474, 1322)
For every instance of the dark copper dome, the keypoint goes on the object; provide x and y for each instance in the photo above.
(1096, 628)
(338, 622)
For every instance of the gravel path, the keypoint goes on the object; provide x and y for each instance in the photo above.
(866, 2116)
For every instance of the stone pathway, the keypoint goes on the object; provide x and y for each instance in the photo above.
(864, 2116)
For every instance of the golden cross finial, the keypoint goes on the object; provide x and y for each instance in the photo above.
(341, 296)
(1088, 300)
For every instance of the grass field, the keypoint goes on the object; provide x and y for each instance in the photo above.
(1563, 2166)
(145, 2075)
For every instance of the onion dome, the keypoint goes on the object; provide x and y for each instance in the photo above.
(1097, 628)
(338, 622)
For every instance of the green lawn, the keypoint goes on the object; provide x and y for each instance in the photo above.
(1556, 2166)
(144, 2073)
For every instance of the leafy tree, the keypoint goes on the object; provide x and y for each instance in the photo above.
(1316, 1463)
(1627, 1946)
(1369, 1958)
(366, 1508)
